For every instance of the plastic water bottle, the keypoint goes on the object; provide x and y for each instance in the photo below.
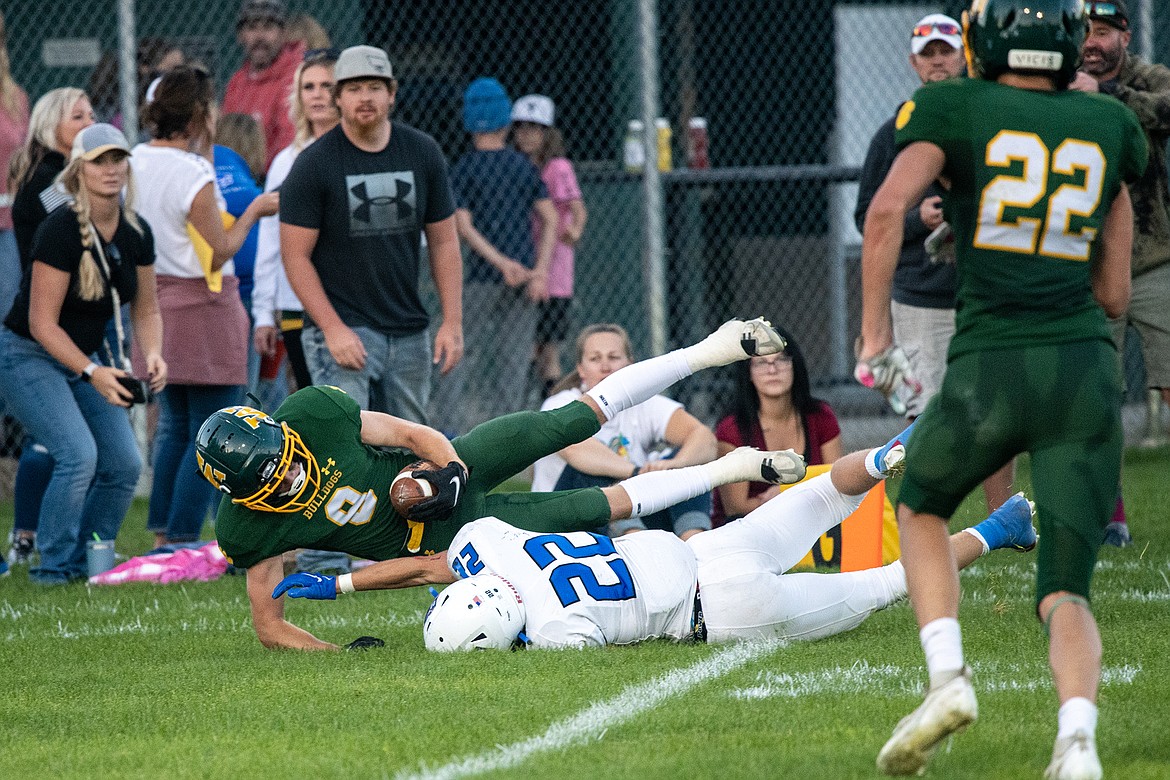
(633, 151)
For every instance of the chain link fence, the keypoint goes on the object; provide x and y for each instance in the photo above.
(791, 93)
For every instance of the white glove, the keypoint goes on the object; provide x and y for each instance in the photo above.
(888, 372)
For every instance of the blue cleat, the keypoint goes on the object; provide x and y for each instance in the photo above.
(891, 459)
(3, 568)
(1010, 526)
(1117, 534)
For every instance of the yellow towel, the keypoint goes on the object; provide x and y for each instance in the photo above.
(204, 253)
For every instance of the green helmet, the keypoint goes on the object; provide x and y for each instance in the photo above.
(1031, 36)
(246, 454)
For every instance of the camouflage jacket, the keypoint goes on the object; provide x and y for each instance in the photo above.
(1145, 88)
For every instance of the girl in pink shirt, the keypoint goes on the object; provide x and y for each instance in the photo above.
(536, 136)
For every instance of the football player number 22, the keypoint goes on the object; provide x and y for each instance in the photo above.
(563, 572)
(1019, 234)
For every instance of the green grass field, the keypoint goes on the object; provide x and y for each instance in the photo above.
(169, 682)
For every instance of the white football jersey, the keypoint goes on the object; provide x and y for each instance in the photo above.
(582, 589)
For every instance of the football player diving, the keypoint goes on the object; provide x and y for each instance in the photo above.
(580, 589)
(1043, 230)
(314, 475)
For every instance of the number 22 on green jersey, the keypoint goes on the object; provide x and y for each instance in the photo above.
(1056, 236)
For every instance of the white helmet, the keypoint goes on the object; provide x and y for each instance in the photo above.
(483, 612)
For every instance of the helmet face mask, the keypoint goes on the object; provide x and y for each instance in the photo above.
(1041, 37)
(483, 612)
(246, 454)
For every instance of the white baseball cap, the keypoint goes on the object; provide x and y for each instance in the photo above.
(936, 27)
(538, 109)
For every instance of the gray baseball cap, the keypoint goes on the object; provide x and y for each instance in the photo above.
(362, 62)
(94, 141)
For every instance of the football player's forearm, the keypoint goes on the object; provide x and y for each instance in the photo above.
(404, 573)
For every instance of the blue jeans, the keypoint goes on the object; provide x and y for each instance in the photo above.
(180, 497)
(396, 378)
(90, 441)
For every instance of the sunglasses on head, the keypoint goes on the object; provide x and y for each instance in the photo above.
(944, 28)
(1102, 9)
(322, 54)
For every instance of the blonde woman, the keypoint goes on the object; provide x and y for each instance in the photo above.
(206, 325)
(49, 372)
(56, 120)
(33, 170)
(313, 113)
(628, 443)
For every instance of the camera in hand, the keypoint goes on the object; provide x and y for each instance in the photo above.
(139, 390)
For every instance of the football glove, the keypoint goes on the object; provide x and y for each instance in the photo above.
(449, 483)
(303, 585)
(889, 373)
(365, 643)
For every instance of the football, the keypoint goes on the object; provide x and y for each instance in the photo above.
(406, 491)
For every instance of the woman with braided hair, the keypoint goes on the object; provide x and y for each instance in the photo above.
(86, 260)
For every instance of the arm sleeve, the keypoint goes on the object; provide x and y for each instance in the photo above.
(147, 256)
(878, 160)
(1136, 152)
(57, 242)
(1152, 103)
(561, 181)
(301, 201)
(440, 200)
(268, 266)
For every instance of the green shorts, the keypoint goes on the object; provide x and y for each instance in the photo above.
(1059, 403)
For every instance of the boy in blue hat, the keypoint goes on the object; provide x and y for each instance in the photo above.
(497, 192)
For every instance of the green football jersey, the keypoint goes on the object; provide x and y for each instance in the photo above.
(350, 511)
(1032, 177)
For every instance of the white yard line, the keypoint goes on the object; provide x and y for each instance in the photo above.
(592, 722)
(863, 678)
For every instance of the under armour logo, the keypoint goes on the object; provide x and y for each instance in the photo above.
(398, 200)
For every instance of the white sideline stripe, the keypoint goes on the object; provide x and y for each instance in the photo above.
(592, 722)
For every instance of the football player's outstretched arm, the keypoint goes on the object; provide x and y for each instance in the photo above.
(1111, 271)
(384, 430)
(273, 631)
(913, 170)
(405, 573)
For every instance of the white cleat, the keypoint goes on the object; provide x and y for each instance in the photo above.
(948, 709)
(735, 340)
(1074, 758)
(782, 467)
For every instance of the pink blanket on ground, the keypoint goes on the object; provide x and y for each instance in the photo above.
(204, 564)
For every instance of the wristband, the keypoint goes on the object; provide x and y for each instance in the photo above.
(87, 372)
(345, 584)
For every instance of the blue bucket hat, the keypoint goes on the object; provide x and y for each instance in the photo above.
(486, 107)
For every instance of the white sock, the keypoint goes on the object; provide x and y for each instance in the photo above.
(656, 490)
(943, 644)
(979, 536)
(1076, 714)
(638, 382)
(872, 467)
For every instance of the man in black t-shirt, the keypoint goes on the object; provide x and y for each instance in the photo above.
(352, 211)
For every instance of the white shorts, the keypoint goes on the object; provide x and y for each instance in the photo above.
(924, 334)
(743, 587)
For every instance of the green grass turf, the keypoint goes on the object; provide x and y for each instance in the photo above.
(169, 682)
